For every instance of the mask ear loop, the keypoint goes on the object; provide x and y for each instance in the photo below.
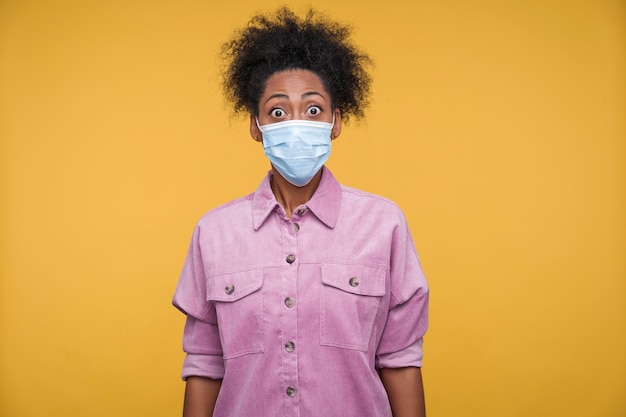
(256, 119)
(332, 135)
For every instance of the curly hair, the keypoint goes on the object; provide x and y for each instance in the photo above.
(281, 41)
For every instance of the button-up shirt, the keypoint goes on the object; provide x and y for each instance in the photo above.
(297, 314)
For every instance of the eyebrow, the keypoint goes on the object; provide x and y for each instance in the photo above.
(305, 95)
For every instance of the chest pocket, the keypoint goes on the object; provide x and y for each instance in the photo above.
(350, 297)
(238, 302)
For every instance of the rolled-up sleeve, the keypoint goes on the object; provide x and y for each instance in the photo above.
(407, 320)
(201, 339)
(201, 342)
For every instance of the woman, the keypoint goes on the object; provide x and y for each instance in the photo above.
(305, 298)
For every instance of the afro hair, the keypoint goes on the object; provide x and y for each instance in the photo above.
(282, 41)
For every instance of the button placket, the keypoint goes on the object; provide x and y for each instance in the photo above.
(289, 310)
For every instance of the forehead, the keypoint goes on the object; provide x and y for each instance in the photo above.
(295, 81)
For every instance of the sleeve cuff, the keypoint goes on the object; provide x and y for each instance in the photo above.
(411, 356)
(209, 366)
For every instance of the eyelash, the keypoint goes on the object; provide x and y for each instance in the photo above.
(319, 109)
(314, 106)
(271, 112)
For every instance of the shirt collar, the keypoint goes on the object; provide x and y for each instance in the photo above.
(324, 203)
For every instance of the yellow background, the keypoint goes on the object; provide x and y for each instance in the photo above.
(498, 126)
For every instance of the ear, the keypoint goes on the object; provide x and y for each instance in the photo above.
(334, 134)
(255, 132)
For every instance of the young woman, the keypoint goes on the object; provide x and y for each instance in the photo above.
(305, 298)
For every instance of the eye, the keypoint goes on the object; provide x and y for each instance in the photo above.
(277, 112)
(314, 111)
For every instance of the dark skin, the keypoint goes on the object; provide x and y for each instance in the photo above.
(200, 396)
(300, 95)
(405, 390)
(294, 95)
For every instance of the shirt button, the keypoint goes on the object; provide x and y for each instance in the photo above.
(301, 212)
(296, 227)
(291, 259)
(354, 282)
(229, 289)
(290, 302)
(290, 347)
(291, 392)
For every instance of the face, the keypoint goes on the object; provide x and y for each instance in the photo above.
(295, 95)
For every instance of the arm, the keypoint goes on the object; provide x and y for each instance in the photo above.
(200, 396)
(405, 390)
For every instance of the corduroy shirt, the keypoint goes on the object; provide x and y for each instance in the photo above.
(297, 314)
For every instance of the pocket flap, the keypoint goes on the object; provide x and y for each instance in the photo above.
(233, 286)
(356, 279)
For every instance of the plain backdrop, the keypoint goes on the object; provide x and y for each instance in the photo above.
(498, 127)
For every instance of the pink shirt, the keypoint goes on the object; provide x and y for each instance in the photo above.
(297, 314)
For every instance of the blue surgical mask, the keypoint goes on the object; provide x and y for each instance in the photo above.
(297, 148)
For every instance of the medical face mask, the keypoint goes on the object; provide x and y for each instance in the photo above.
(297, 148)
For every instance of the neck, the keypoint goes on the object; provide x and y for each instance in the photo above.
(288, 195)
